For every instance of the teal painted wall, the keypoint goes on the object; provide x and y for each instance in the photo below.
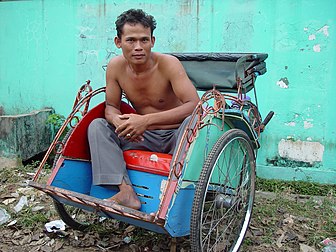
(49, 48)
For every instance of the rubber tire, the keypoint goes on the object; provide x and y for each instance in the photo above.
(66, 212)
(229, 139)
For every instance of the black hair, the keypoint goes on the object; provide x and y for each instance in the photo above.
(133, 17)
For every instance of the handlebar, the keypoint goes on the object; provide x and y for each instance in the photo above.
(266, 120)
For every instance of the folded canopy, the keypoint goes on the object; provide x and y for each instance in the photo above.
(222, 70)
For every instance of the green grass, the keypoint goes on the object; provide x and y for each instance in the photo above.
(29, 219)
(295, 187)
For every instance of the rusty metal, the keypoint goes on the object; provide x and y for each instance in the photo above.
(196, 122)
(98, 204)
(216, 109)
(84, 90)
(83, 98)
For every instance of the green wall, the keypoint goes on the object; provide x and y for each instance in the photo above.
(49, 48)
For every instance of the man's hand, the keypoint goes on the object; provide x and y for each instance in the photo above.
(132, 127)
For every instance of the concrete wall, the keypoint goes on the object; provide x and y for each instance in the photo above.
(49, 48)
(23, 136)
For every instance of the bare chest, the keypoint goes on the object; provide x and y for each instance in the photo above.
(148, 93)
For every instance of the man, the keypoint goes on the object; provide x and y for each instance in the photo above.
(159, 90)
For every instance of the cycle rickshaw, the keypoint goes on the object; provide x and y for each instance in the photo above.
(206, 190)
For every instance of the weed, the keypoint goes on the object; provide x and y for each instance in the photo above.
(296, 187)
(29, 219)
(56, 121)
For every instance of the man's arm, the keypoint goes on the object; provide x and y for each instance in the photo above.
(113, 94)
(185, 91)
(113, 100)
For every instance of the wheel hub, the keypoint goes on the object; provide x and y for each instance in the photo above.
(223, 201)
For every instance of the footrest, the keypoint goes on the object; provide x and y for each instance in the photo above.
(92, 202)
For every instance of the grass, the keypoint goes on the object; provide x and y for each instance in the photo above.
(12, 179)
(29, 219)
(296, 209)
(312, 220)
(295, 187)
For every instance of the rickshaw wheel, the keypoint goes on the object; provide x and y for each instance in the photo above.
(74, 217)
(224, 195)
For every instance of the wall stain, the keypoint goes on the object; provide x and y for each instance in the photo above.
(186, 7)
(283, 82)
(285, 162)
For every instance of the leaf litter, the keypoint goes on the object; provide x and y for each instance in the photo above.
(280, 222)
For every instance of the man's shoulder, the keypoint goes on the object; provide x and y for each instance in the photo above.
(115, 66)
(118, 60)
(165, 56)
(166, 61)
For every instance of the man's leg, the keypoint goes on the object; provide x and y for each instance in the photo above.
(108, 165)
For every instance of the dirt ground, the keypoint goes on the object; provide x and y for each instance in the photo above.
(280, 222)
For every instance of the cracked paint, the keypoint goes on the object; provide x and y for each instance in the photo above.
(317, 48)
(307, 125)
(162, 187)
(315, 34)
(304, 151)
(283, 83)
(324, 30)
(290, 124)
(312, 37)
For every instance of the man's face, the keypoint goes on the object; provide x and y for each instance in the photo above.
(136, 43)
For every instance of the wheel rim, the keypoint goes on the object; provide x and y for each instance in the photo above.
(228, 201)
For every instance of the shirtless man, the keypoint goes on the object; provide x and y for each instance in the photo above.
(159, 90)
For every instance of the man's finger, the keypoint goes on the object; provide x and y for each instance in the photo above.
(137, 139)
(121, 128)
(124, 116)
(124, 134)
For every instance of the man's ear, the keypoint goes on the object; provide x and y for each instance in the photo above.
(117, 42)
(153, 41)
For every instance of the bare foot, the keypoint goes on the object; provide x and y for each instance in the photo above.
(126, 198)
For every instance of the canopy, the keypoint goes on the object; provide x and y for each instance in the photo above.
(222, 70)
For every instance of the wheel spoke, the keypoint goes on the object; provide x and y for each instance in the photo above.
(227, 189)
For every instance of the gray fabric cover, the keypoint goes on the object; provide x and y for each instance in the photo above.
(221, 70)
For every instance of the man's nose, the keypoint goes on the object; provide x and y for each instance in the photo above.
(138, 45)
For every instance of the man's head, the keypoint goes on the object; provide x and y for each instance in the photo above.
(135, 36)
(134, 17)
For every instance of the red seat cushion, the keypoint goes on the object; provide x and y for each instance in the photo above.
(147, 161)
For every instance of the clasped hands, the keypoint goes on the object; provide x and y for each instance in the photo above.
(131, 127)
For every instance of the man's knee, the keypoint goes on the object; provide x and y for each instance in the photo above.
(97, 125)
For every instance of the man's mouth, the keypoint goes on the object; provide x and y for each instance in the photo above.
(138, 56)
